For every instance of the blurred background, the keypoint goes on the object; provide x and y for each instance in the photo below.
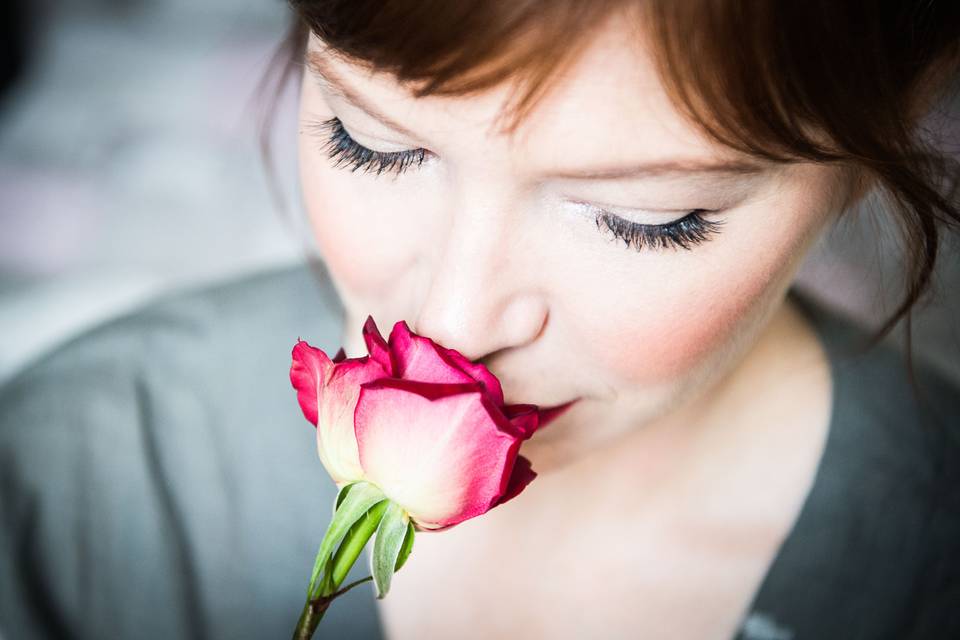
(129, 166)
(129, 160)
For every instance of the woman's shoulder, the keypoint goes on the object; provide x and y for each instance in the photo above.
(211, 354)
(234, 318)
(167, 443)
(895, 425)
(877, 387)
(884, 511)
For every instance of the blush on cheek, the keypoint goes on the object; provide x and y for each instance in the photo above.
(673, 343)
(699, 314)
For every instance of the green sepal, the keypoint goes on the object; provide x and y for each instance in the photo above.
(406, 548)
(358, 498)
(355, 541)
(341, 495)
(388, 540)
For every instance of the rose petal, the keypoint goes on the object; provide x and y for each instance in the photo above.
(520, 477)
(419, 358)
(524, 417)
(310, 369)
(444, 452)
(377, 346)
(403, 342)
(478, 372)
(327, 393)
(336, 438)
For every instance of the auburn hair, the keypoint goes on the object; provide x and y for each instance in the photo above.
(848, 82)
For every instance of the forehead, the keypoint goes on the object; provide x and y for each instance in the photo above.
(607, 106)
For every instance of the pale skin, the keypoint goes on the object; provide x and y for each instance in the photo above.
(705, 396)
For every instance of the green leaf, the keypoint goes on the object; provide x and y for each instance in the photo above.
(388, 540)
(406, 548)
(357, 502)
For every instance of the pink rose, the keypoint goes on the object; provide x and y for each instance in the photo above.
(420, 422)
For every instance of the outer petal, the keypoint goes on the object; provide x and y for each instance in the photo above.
(377, 346)
(476, 371)
(524, 417)
(309, 372)
(327, 392)
(336, 438)
(521, 475)
(421, 359)
(445, 453)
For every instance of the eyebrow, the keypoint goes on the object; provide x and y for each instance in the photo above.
(323, 71)
(667, 168)
(321, 68)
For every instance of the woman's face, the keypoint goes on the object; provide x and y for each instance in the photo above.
(492, 247)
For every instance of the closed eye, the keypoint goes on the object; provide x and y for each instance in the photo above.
(692, 229)
(347, 152)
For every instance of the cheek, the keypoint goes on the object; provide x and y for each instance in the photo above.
(357, 230)
(689, 310)
(696, 329)
(677, 332)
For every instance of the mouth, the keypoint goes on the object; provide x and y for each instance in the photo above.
(549, 414)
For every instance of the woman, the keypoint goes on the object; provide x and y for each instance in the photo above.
(732, 465)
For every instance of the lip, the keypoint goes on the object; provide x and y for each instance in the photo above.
(549, 414)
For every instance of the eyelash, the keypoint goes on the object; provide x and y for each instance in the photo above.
(683, 233)
(691, 229)
(346, 151)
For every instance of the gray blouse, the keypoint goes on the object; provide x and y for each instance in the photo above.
(157, 480)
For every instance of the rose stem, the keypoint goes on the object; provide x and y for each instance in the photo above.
(343, 560)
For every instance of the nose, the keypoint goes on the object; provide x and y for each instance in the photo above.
(483, 295)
